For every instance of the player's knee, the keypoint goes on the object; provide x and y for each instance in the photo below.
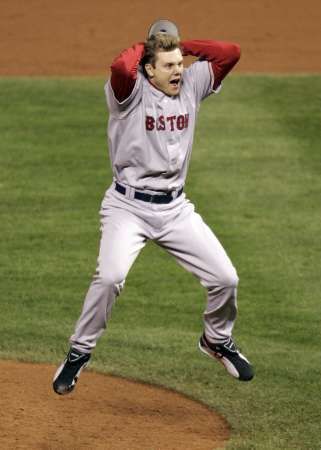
(111, 279)
(229, 278)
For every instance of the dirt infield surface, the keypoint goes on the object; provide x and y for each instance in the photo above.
(104, 413)
(78, 37)
(42, 37)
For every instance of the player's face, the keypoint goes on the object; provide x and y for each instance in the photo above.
(166, 75)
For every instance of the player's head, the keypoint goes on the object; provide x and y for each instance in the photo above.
(163, 63)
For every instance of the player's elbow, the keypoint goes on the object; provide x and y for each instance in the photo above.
(237, 50)
(235, 53)
(118, 68)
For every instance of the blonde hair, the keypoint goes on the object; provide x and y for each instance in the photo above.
(161, 42)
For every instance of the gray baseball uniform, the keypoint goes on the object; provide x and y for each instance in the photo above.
(150, 144)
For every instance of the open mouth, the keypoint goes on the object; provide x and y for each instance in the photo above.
(175, 82)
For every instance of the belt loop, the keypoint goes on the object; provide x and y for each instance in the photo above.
(130, 193)
(176, 192)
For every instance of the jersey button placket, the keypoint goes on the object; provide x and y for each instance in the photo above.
(169, 113)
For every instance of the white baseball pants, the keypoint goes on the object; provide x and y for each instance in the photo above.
(126, 226)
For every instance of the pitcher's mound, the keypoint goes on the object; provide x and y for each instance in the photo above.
(103, 412)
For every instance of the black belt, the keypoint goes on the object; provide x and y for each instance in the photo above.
(167, 198)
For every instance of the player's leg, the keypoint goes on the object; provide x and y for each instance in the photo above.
(121, 241)
(122, 238)
(197, 249)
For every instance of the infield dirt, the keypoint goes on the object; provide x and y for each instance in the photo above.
(49, 38)
(81, 38)
(104, 413)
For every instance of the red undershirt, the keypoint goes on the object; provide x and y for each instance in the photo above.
(221, 55)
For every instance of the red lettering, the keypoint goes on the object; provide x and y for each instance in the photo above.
(171, 120)
(150, 123)
(180, 122)
(160, 123)
(186, 120)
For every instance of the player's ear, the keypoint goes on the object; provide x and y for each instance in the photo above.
(149, 70)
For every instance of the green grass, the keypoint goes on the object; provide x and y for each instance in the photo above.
(255, 178)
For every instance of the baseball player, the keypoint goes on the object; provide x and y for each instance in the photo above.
(153, 104)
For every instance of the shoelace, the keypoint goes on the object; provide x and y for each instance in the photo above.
(230, 345)
(75, 357)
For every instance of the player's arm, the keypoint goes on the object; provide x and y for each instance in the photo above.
(124, 71)
(221, 55)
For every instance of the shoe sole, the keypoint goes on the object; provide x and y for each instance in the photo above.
(71, 387)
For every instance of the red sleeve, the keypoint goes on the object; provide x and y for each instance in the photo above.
(222, 55)
(124, 71)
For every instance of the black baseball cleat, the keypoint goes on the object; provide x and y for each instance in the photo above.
(68, 373)
(228, 354)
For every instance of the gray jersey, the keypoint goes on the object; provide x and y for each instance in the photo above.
(150, 134)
